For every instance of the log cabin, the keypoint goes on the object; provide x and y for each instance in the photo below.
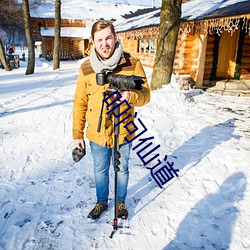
(77, 19)
(74, 37)
(213, 41)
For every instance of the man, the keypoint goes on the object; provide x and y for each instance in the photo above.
(107, 54)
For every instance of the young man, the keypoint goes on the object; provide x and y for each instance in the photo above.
(107, 54)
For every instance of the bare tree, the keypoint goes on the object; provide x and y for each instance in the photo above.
(3, 57)
(11, 17)
(28, 33)
(11, 24)
(56, 59)
(168, 34)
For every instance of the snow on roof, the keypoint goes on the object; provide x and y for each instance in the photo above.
(192, 10)
(79, 32)
(145, 20)
(85, 10)
(197, 9)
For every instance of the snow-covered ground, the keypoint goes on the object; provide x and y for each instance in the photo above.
(45, 197)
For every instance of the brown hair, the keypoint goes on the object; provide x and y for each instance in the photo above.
(101, 24)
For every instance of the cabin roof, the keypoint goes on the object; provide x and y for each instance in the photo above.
(208, 9)
(85, 10)
(140, 21)
(77, 32)
(193, 10)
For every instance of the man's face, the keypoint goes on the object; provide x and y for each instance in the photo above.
(104, 42)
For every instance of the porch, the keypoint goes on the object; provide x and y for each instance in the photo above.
(231, 87)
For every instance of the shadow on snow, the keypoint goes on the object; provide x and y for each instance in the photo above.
(187, 156)
(23, 110)
(209, 225)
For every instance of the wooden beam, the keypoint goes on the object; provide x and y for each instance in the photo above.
(201, 60)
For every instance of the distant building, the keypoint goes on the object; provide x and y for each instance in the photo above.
(75, 36)
(213, 41)
(77, 19)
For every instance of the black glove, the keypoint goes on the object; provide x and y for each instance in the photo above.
(78, 153)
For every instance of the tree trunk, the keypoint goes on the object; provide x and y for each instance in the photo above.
(56, 59)
(168, 34)
(3, 57)
(28, 33)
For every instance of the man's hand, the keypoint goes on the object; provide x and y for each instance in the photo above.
(79, 143)
(125, 95)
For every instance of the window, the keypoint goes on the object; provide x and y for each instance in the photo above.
(146, 45)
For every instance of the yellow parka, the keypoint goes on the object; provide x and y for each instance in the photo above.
(88, 101)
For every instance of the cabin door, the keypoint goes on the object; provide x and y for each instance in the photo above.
(227, 55)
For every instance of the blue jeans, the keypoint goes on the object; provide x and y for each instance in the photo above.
(102, 158)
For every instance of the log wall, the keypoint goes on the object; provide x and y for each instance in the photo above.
(245, 60)
(178, 61)
(76, 46)
(73, 45)
(186, 56)
(209, 57)
(50, 22)
(131, 46)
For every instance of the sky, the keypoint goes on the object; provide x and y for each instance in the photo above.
(45, 197)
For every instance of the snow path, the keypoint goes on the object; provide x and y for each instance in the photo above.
(45, 197)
